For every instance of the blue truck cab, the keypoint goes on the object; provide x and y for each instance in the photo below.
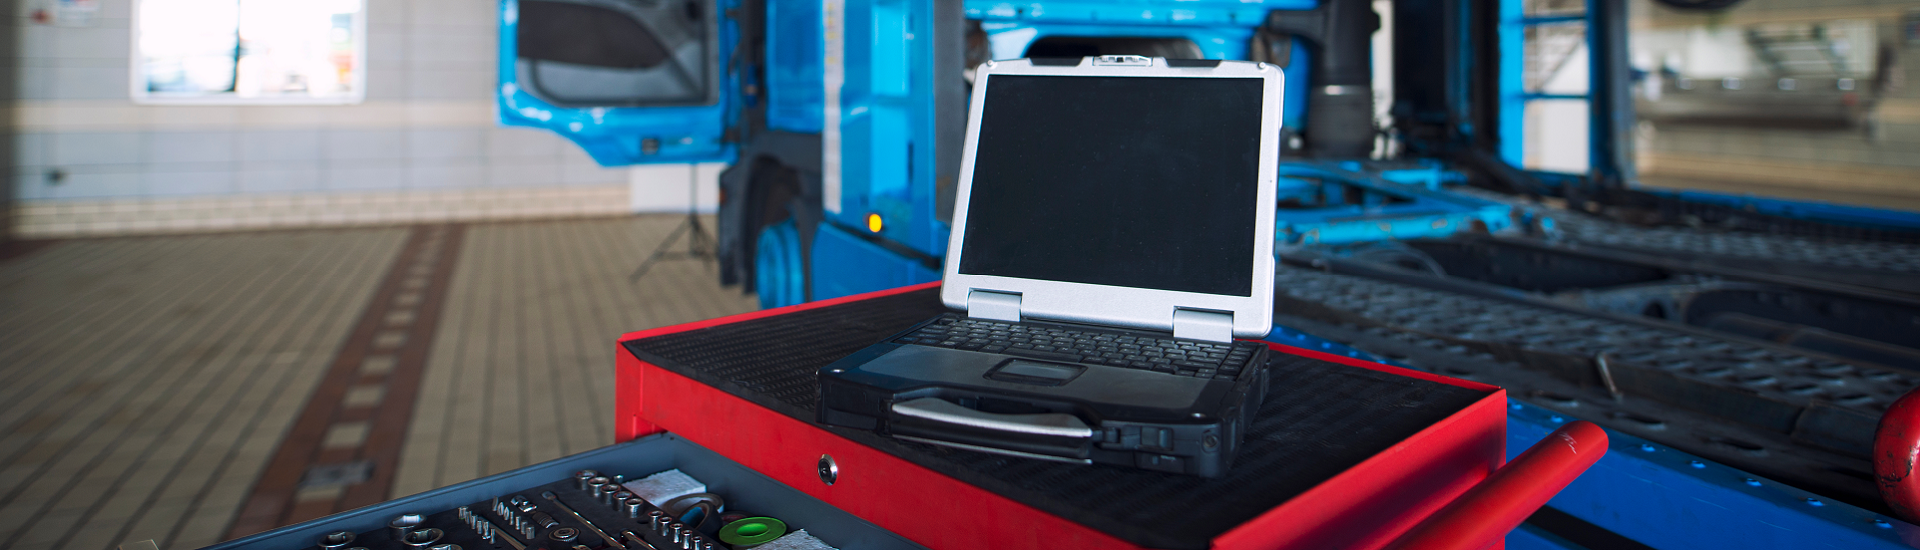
(842, 120)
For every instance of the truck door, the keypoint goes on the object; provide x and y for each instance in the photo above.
(630, 81)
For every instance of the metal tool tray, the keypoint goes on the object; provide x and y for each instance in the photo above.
(744, 489)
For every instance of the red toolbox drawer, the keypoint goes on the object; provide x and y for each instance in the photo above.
(1345, 454)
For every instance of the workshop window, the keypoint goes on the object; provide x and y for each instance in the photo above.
(1775, 97)
(1555, 86)
(249, 51)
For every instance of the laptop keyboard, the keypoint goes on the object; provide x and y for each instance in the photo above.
(1120, 349)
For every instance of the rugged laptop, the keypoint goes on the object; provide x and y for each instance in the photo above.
(1113, 233)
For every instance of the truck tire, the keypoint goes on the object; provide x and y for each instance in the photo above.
(779, 269)
(779, 257)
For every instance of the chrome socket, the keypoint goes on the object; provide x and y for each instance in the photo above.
(403, 524)
(521, 503)
(421, 538)
(633, 505)
(336, 539)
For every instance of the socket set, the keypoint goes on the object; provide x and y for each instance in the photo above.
(588, 511)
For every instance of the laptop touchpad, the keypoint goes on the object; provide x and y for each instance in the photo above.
(1021, 371)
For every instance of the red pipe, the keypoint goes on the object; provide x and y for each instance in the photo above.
(1896, 446)
(1484, 514)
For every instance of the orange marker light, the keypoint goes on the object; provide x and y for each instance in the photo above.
(873, 223)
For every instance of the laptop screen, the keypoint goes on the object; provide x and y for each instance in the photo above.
(1139, 182)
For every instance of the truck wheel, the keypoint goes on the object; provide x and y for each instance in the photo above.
(779, 276)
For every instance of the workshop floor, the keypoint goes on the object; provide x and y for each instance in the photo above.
(189, 389)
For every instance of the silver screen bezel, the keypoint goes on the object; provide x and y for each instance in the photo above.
(1114, 305)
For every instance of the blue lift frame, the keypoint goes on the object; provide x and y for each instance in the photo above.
(1664, 498)
(1354, 204)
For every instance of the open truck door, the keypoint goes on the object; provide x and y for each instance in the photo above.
(630, 81)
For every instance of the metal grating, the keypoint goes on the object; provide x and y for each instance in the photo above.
(1774, 373)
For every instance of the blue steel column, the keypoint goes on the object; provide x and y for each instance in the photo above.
(1611, 122)
(1512, 82)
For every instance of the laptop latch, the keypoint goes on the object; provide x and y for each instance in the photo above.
(1212, 326)
(995, 306)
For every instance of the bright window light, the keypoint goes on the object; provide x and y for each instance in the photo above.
(249, 51)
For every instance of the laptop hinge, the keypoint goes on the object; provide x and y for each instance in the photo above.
(1212, 326)
(995, 306)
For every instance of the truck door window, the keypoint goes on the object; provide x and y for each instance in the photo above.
(617, 52)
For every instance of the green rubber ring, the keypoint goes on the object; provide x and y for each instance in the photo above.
(751, 531)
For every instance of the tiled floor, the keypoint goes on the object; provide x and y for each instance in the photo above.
(522, 369)
(147, 381)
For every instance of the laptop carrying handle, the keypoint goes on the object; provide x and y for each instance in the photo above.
(943, 411)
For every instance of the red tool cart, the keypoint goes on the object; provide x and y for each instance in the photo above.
(1345, 453)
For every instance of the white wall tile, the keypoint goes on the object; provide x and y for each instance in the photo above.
(35, 41)
(458, 143)
(387, 46)
(32, 149)
(433, 83)
(279, 145)
(279, 177)
(364, 175)
(431, 50)
(525, 143)
(443, 176)
(98, 42)
(212, 182)
(115, 10)
(90, 83)
(533, 174)
(387, 83)
(96, 185)
(30, 183)
(359, 144)
(576, 174)
(461, 48)
(90, 148)
(33, 83)
(166, 147)
(387, 12)
(451, 12)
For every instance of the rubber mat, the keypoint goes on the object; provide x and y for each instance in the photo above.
(1320, 418)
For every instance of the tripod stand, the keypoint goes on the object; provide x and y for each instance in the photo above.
(699, 243)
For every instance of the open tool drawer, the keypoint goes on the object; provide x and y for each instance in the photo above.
(743, 489)
(1345, 453)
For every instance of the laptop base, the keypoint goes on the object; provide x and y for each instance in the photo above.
(1150, 412)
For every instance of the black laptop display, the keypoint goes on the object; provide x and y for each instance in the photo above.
(1113, 233)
